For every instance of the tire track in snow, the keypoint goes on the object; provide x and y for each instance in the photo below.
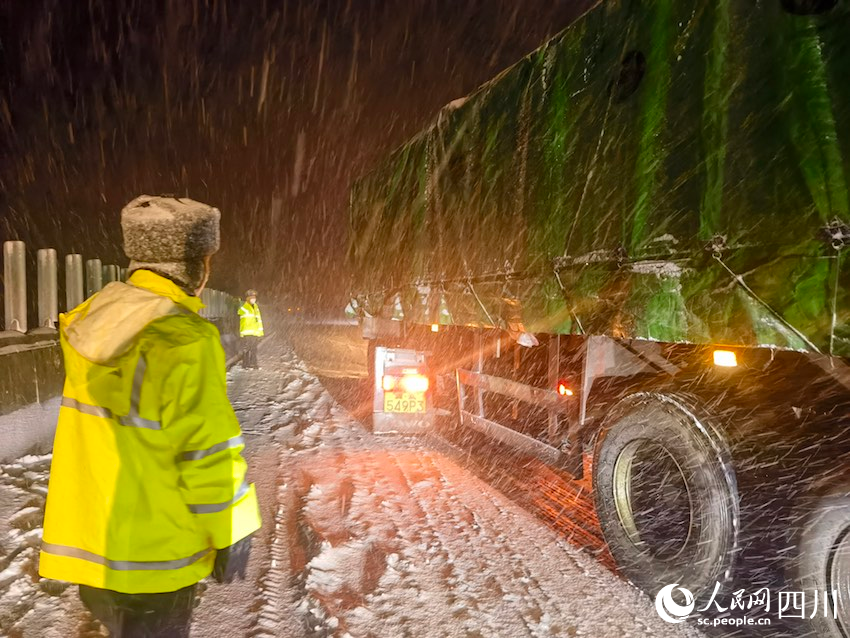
(272, 611)
(517, 583)
(602, 603)
(467, 561)
(464, 606)
(411, 573)
(489, 610)
(492, 516)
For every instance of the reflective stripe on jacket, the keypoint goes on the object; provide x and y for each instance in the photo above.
(250, 321)
(147, 478)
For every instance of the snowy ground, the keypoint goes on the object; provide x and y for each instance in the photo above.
(363, 536)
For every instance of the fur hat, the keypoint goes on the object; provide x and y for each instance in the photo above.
(170, 236)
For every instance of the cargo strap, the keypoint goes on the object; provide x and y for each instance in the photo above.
(738, 279)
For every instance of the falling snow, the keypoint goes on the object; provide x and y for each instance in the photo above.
(363, 535)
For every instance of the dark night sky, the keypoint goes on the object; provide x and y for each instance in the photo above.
(266, 109)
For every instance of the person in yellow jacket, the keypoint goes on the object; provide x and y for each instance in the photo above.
(148, 493)
(250, 329)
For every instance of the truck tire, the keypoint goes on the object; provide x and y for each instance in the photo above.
(823, 560)
(666, 496)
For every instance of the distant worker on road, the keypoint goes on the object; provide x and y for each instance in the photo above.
(250, 329)
(148, 493)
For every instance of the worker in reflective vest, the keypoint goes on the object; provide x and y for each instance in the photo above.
(148, 493)
(250, 329)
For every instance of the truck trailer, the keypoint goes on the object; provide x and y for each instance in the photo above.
(625, 257)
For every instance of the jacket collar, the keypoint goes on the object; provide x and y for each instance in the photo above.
(159, 285)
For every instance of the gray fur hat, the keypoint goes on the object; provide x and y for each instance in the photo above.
(170, 236)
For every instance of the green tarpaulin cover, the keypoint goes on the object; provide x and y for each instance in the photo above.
(674, 170)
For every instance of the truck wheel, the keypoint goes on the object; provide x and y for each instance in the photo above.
(823, 560)
(665, 496)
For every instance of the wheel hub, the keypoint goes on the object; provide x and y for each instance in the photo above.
(653, 499)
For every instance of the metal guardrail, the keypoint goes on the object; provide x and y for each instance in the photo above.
(218, 304)
(81, 282)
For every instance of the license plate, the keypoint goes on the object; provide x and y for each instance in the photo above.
(404, 402)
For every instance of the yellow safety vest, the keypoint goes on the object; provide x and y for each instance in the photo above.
(250, 321)
(147, 478)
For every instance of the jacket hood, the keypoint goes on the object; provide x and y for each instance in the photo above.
(105, 328)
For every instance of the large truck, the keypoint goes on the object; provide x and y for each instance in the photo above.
(625, 257)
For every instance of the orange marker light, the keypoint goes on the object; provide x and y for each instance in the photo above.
(435, 327)
(725, 359)
(563, 390)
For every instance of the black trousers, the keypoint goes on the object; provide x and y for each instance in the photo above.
(249, 352)
(167, 615)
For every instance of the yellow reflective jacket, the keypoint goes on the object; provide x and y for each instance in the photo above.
(148, 477)
(250, 321)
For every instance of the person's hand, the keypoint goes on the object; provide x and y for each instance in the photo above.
(232, 562)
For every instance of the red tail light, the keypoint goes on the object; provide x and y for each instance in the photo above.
(410, 380)
(564, 390)
(414, 383)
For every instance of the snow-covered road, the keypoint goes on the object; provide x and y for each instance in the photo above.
(362, 536)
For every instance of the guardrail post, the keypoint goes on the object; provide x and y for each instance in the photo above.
(110, 274)
(74, 289)
(15, 285)
(48, 289)
(94, 276)
(205, 299)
